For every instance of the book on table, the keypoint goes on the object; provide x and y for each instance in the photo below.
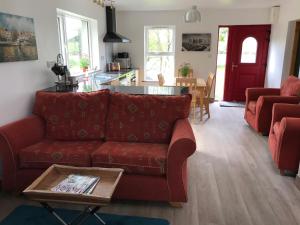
(77, 184)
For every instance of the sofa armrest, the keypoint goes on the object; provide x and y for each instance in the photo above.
(265, 103)
(289, 144)
(264, 107)
(252, 94)
(14, 137)
(182, 145)
(281, 110)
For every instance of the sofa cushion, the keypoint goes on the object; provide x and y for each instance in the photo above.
(291, 87)
(145, 119)
(134, 158)
(73, 116)
(276, 129)
(252, 107)
(47, 152)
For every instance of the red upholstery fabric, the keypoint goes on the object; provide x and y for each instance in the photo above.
(276, 129)
(47, 152)
(23, 144)
(265, 98)
(284, 142)
(73, 116)
(134, 158)
(252, 107)
(14, 137)
(291, 87)
(183, 144)
(150, 188)
(145, 119)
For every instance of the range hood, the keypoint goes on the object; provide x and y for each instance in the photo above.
(112, 36)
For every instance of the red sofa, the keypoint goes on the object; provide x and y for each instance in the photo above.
(259, 103)
(149, 136)
(284, 138)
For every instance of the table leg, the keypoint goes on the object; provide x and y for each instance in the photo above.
(52, 211)
(78, 220)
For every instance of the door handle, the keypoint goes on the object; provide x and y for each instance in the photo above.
(233, 66)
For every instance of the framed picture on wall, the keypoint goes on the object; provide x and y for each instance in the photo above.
(196, 42)
(17, 38)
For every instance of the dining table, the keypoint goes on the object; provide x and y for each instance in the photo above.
(200, 88)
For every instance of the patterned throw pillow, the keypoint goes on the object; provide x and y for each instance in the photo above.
(73, 116)
(291, 87)
(147, 119)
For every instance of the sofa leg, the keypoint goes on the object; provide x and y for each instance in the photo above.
(176, 204)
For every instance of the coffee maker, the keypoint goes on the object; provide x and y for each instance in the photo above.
(124, 60)
(64, 83)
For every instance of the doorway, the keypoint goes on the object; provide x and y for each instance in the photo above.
(246, 59)
(295, 65)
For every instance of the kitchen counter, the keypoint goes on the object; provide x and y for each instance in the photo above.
(108, 77)
(118, 81)
(136, 90)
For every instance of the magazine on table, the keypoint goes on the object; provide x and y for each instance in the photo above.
(77, 184)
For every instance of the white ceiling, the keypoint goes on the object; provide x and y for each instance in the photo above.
(147, 5)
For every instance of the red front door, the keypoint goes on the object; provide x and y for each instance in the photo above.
(246, 59)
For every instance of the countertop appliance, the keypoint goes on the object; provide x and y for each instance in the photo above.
(124, 60)
(125, 63)
(113, 66)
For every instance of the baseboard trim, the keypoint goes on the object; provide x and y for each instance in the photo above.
(297, 182)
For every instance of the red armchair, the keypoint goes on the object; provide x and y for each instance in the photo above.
(284, 138)
(259, 103)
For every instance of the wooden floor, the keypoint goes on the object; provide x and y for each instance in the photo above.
(232, 181)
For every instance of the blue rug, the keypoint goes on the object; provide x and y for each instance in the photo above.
(31, 215)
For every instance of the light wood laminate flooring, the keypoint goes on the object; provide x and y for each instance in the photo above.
(232, 181)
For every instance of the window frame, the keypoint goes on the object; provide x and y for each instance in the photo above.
(63, 46)
(146, 42)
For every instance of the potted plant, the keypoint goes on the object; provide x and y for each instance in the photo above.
(84, 64)
(185, 69)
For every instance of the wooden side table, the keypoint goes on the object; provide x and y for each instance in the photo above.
(40, 191)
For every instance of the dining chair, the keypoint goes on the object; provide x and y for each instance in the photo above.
(161, 79)
(191, 83)
(209, 86)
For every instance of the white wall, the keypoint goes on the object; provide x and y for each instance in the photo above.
(279, 53)
(131, 24)
(20, 80)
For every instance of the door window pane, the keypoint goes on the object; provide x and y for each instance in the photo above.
(249, 50)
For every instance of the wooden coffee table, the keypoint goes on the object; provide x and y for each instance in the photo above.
(40, 190)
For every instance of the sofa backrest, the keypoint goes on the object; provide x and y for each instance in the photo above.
(147, 119)
(290, 87)
(73, 116)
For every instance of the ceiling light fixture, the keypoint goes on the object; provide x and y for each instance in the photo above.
(193, 15)
(99, 2)
(103, 3)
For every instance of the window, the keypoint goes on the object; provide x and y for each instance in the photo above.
(249, 50)
(159, 52)
(75, 39)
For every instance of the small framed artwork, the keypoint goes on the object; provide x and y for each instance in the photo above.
(196, 42)
(17, 38)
